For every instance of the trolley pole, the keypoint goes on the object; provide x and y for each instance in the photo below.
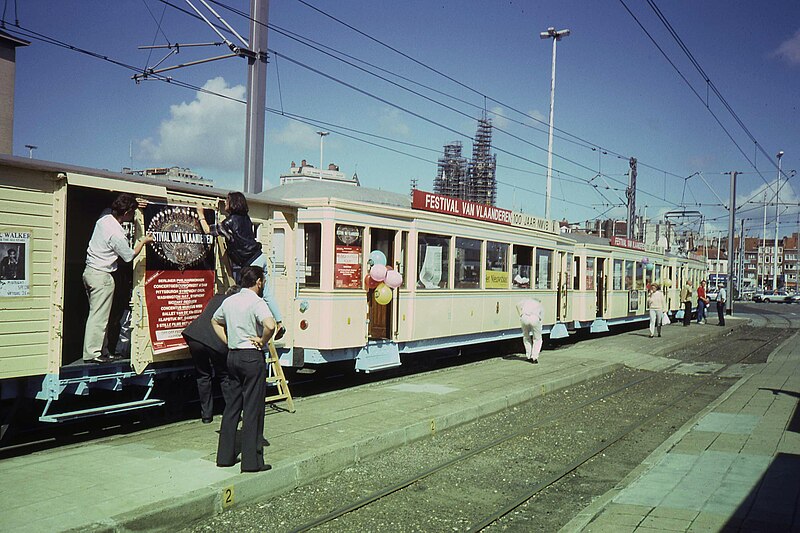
(731, 228)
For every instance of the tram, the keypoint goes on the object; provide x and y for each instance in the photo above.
(457, 271)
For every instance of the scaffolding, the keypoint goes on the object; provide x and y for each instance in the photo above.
(482, 184)
(451, 179)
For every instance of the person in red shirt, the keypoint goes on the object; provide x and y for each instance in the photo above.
(702, 303)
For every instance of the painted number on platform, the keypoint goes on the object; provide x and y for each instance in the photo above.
(227, 497)
(433, 425)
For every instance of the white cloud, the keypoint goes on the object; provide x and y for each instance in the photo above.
(538, 115)
(296, 135)
(789, 50)
(206, 133)
(498, 117)
(392, 124)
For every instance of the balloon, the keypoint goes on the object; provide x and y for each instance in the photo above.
(645, 261)
(377, 257)
(377, 272)
(383, 294)
(650, 266)
(393, 279)
(370, 283)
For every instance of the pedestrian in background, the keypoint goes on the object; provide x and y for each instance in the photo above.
(722, 298)
(209, 354)
(686, 300)
(245, 324)
(702, 303)
(530, 319)
(657, 304)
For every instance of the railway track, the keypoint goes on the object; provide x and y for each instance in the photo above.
(404, 489)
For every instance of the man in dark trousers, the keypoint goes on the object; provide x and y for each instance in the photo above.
(722, 298)
(209, 354)
(245, 324)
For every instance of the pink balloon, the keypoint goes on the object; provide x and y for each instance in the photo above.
(378, 272)
(393, 279)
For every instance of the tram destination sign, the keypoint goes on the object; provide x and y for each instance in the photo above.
(437, 203)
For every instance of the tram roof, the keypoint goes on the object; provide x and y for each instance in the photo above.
(56, 167)
(321, 189)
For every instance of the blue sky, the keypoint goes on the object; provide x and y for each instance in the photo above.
(615, 92)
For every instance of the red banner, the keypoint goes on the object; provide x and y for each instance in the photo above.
(347, 267)
(437, 203)
(622, 242)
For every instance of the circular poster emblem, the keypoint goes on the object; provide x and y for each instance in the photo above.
(178, 237)
(347, 234)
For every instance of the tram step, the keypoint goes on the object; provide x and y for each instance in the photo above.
(378, 355)
(104, 410)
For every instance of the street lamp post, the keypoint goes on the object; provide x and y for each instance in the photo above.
(322, 135)
(31, 148)
(551, 33)
(777, 222)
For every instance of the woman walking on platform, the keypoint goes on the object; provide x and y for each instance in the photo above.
(657, 304)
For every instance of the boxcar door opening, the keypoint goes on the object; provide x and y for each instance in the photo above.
(380, 316)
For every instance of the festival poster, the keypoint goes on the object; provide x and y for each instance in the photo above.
(15, 275)
(347, 262)
(179, 279)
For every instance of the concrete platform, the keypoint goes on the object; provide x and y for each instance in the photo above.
(734, 467)
(164, 478)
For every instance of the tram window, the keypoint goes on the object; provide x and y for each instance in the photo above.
(544, 269)
(590, 273)
(657, 275)
(309, 265)
(434, 259)
(468, 263)
(496, 265)
(576, 280)
(639, 275)
(617, 275)
(521, 261)
(403, 256)
(628, 275)
(279, 249)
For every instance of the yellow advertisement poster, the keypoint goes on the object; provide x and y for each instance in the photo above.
(496, 280)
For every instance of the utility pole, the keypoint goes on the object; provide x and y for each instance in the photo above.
(777, 223)
(322, 135)
(731, 227)
(551, 33)
(740, 278)
(256, 97)
(630, 194)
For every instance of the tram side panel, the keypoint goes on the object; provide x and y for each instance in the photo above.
(30, 312)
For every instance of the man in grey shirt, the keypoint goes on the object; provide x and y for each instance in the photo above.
(245, 324)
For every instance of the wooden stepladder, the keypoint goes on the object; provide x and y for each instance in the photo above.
(276, 378)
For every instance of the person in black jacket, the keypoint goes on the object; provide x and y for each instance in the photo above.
(209, 355)
(243, 248)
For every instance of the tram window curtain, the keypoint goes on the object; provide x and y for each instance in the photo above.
(589, 273)
(521, 261)
(468, 263)
(309, 267)
(628, 275)
(617, 275)
(434, 261)
(544, 269)
(496, 265)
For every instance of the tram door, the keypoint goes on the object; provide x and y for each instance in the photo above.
(380, 316)
(564, 261)
(600, 285)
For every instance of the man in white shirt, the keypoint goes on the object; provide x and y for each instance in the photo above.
(107, 245)
(722, 298)
(530, 319)
(245, 324)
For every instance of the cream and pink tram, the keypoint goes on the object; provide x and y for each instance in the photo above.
(464, 267)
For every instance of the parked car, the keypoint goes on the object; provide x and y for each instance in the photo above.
(772, 296)
(795, 298)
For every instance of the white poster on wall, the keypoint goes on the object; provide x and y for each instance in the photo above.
(15, 277)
